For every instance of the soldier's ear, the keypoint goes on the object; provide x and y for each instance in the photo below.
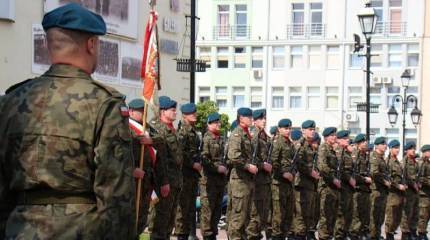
(92, 45)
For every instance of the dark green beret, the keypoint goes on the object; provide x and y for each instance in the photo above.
(273, 130)
(342, 134)
(425, 148)
(245, 112)
(329, 131)
(360, 138)
(308, 124)
(74, 17)
(166, 102)
(296, 134)
(410, 145)
(394, 144)
(213, 117)
(284, 123)
(316, 138)
(188, 108)
(233, 125)
(380, 140)
(259, 113)
(136, 103)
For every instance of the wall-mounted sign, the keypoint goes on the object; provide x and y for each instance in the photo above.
(170, 25)
(174, 5)
(169, 46)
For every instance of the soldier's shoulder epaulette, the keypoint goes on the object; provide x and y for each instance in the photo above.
(110, 90)
(15, 86)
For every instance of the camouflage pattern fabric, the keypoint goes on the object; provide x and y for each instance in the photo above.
(395, 199)
(424, 202)
(410, 216)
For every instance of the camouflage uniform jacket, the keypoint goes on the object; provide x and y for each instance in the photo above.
(411, 172)
(305, 165)
(379, 171)
(396, 174)
(363, 169)
(262, 176)
(282, 155)
(424, 177)
(348, 170)
(190, 143)
(240, 153)
(63, 134)
(329, 163)
(212, 154)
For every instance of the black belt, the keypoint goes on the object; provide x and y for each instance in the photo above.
(43, 197)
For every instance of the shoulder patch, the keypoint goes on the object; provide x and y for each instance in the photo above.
(15, 86)
(124, 111)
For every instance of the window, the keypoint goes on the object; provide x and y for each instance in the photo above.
(355, 97)
(278, 57)
(375, 95)
(222, 57)
(315, 57)
(257, 57)
(204, 94)
(314, 98)
(395, 16)
(241, 21)
(316, 19)
(298, 18)
(355, 61)
(297, 57)
(392, 134)
(256, 97)
(391, 92)
(295, 97)
(223, 20)
(379, 10)
(333, 57)
(410, 135)
(332, 97)
(238, 97)
(378, 57)
(221, 96)
(239, 57)
(374, 133)
(395, 56)
(413, 55)
(277, 97)
(205, 55)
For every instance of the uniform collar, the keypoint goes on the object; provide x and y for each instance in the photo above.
(66, 71)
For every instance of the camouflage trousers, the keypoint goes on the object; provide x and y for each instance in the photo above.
(409, 222)
(360, 214)
(186, 211)
(211, 195)
(240, 198)
(329, 204)
(393, 212)
(304, 211)
(316, 215)
(424, 215)
(261, 203)
(144, 204)
(344, 216)
(162, 215)
(378, 201)
(282, 208)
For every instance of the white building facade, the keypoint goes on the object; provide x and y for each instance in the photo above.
(294, 58)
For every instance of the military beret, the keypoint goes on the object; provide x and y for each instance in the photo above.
(259, 113)
(360, 138)
(245, 112)
(233, 125)
(394, 144)
(284, 123)
(136, 103)
(410, 145)
(342, 134)
(380, 140)
(74, 17)
(316, 138)
(188, 108)
(213, 117)
(308, 124)
(273, 130)
(425, 148)
(296, 134)
(329, 131)
(370, 146)
(166, 102)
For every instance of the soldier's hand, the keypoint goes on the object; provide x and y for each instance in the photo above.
(267, 167)
(197, 166)
(402, 187)
(138, 173)
(315, 174)
(416, 187)
(352, 182)
(222, 169)
(165, 190)
(368, 180)
(252, 169)
(387, 183)
(336, 182)
(145, 139)
(288, 176)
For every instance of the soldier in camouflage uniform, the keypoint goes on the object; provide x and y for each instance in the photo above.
(348, 183)
(360, 214)
(378, 198)
(165, 140)
(409, 222)
(262, 197)
(65, 144)
(424, 202)
(316, 142)
(283, 180)
(305, 187)
(244, 169)
(395, 198)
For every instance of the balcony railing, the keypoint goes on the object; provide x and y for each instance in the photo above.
(224, 32)
(389, 29)
(314, 30)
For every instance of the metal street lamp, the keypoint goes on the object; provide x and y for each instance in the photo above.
(367, 18)
(406, 78)
(392, 115)
(416, 116)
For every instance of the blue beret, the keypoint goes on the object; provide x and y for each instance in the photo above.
(342, 134)
(360, 138)
(425, 148)
(213, 117)
(188, 108)
(136, 103)
(166, 102)
(308, 124)
(329, 131)
(296, 134)
(233, 125)
(370, 146)
(394, 144)
(410, 145)
(284, 123)
(259, 113)
(380, 140)
(273, 130)
(74, 17)
(316, 138)
(245, 112)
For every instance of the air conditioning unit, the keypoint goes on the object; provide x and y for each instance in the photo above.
(258, 74)
(376, 80)
(387, 80)
(351, 117)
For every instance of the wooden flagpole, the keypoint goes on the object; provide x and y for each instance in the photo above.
(141, 164)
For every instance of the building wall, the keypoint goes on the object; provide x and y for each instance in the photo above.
(425, 106)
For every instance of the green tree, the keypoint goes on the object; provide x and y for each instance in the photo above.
(203, 111)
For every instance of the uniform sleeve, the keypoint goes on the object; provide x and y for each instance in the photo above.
(275, 158)
(188, 148)
(287, 159)
(347, 172)
(235, 151)
(425, 177)
(209, 162)
(160, 168)
(376, 171)
(113, 182)
(302, 165)
(325, 170)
